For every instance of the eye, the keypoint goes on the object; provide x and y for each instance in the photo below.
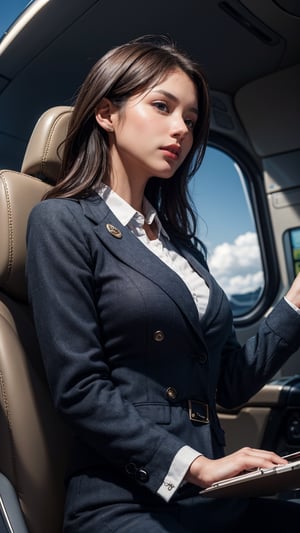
(190, 123)
(161, 106)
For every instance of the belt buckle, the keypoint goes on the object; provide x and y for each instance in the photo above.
(198, 412)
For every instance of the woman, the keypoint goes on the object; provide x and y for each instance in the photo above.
(136, 335)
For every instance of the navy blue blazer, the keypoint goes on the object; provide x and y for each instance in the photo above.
(125, 351)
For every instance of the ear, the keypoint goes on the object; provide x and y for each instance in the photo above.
(104, 113)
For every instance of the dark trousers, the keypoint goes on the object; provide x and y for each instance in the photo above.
(191, 515)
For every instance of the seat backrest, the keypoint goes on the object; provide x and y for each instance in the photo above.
(33, 439)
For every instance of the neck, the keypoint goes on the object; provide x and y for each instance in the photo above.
(127, 180)
(133, 195)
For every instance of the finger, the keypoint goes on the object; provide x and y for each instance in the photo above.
(258, 460)
(262, 454)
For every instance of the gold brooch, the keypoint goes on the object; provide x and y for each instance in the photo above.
(115, 232)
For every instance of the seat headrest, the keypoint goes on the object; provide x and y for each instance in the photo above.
(42, 158)
(20, 191)
(18, 194)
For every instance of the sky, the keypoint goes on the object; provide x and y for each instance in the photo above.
(9, 10)
(226, 226)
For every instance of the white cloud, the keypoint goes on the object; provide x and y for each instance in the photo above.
(237, 266)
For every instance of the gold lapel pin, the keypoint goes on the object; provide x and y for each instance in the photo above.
(115, 232)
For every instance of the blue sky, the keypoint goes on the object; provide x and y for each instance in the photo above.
(9, 10)
(216, 189)
(226, 224)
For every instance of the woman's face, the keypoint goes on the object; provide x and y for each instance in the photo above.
(153, 133)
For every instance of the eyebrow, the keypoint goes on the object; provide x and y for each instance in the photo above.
(175, 99)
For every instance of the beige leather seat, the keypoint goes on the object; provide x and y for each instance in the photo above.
(33, 441)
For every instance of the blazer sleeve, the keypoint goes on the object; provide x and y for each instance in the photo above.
(245, 369)
(62, 296)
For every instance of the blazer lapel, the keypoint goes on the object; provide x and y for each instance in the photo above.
(127, 248)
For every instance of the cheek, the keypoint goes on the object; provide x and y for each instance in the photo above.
(146, 120)
(146, 123)
(136, 125)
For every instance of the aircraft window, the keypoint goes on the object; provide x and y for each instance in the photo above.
(226, 226)
(291, 241)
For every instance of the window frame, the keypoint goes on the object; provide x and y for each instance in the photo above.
(258, 201)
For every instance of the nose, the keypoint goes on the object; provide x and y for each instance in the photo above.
(179, 127)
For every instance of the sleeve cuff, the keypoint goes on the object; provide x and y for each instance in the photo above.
(179, 466)
(292, 305)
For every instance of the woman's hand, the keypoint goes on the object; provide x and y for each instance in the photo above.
(293, 295)
(204, 472)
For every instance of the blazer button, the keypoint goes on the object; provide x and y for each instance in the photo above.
(158, 335)
(142, 475)
(202, 358)
(130, 469)
(171, 393)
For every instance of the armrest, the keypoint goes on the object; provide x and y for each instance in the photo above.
(11, 517)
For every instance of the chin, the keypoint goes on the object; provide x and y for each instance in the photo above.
(166, 174)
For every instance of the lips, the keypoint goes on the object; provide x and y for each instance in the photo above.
(172, 150)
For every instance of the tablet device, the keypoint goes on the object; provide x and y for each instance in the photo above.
(260, 482)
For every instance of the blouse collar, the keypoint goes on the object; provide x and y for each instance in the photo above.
(126, 214)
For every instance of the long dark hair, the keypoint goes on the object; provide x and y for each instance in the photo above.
(123, 72)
